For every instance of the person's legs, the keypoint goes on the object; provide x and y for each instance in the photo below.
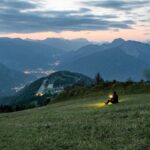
(108, 102)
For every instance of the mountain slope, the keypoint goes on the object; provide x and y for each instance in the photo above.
(21, 54)
(9, 79)
(117, 60)
(112, 64)
(58, 80)
(138, 50)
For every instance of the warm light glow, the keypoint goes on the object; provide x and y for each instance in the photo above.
(110, 96)
(39, 94)
(98, 105)
(126, 34)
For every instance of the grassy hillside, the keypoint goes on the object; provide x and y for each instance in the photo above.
(83, 123)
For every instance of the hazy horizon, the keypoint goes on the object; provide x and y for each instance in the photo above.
(92, 41)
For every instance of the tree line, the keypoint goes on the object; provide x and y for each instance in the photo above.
(20, 107)
(10, 108)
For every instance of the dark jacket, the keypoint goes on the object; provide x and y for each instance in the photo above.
(115, 98)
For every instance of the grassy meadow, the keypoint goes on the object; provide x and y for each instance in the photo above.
(80, 124)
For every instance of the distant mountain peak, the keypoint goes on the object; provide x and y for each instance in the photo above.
(118, 41)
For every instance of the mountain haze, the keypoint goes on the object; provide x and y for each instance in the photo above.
(21, 54)
(66, 45)
(59, 54)
(118, 60)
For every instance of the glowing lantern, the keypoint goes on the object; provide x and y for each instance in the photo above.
(110, 96)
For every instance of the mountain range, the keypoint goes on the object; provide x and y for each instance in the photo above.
(23, 54)
(66, 45)
(118, 60)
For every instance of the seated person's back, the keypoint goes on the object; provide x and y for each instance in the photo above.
(115, 98)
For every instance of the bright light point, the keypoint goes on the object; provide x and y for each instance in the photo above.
(110, 96)
(39, 94)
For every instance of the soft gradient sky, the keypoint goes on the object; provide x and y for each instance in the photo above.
(96, 20)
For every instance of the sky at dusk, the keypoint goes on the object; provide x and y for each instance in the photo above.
(96, 20)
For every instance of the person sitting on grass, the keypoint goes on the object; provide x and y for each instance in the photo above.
(113, 99)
